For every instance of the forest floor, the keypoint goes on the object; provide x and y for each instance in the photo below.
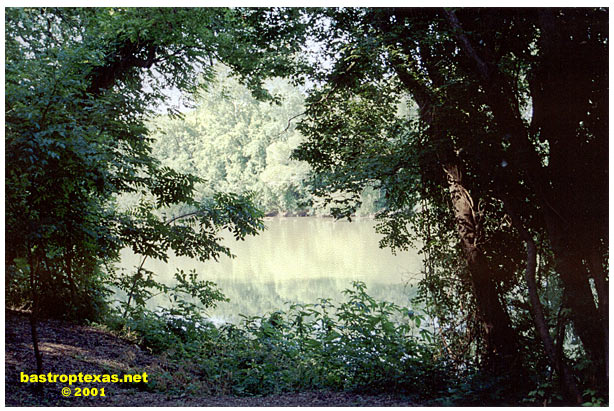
(72, 349)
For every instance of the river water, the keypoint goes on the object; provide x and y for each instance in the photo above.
(297, 260)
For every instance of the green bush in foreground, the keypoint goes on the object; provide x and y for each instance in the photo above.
(361, 344)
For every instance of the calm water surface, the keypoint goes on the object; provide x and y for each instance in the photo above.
(297, 260)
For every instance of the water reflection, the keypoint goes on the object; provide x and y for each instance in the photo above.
(297, 260)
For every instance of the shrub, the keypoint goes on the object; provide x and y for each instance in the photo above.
(360, 345)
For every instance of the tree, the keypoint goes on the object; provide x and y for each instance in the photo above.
(504, 97)
(574, 210)
(80, 84)
(234, 142)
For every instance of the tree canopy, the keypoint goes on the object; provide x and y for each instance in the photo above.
(80, 84)
(507, 148)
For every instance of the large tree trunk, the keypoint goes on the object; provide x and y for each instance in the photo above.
(586, 318)
(578, 168)
(501, 340)
(569, 218)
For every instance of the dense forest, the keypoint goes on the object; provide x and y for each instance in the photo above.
(477, 135)
(234, 142)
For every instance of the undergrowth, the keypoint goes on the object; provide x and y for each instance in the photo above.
(358, 345)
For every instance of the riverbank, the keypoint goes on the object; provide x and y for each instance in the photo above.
(312, 213)
(69, 348)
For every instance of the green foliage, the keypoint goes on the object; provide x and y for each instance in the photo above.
(544, 394)
(85, 298)
(80, 85)
(361, 344)
(186, 287)
(234, 142)
(596, 400)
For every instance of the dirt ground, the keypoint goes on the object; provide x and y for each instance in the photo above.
(70, 349)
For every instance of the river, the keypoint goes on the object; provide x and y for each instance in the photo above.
(297, 260)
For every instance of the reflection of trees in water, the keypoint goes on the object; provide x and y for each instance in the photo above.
(260, 298)
(257, 297)
(297, 260)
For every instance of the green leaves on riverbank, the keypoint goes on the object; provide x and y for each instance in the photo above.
(361, 344)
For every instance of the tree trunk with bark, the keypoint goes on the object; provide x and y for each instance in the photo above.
(34, 279)
(501, 340)
(564, 188)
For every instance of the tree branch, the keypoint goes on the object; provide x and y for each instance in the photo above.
(466, 45)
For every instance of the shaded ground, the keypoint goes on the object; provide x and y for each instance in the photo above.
(70, 349)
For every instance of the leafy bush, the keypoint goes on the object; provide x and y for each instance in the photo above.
(361, 345)
(83, 297)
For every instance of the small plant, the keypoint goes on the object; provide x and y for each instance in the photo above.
(595, 399)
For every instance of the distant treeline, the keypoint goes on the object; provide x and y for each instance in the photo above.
(236, 143)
